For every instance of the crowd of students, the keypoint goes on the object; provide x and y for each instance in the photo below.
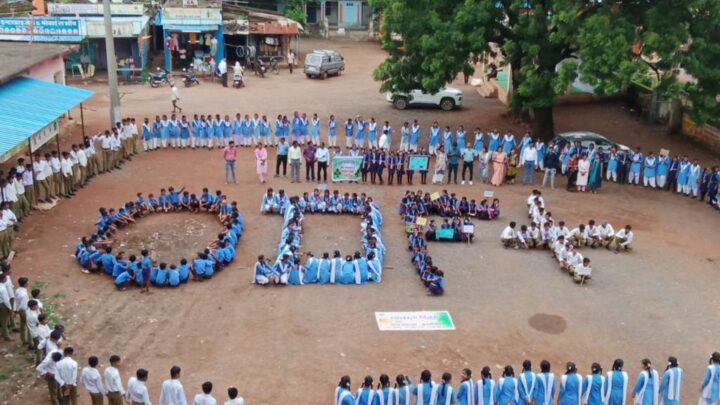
(95, 253)
(446, 205)
(288, 268)
(544, 233)
(530, 387)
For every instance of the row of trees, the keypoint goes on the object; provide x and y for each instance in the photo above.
(429, 42)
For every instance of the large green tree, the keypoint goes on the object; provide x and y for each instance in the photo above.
(549, 42)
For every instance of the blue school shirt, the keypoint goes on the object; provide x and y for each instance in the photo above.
(161, 276)
(108, 262)
(594, 382)
(184, 272)
(163, 199)
(174, 198)
(173, 277)
(540, 389)
(200, 266)
(209, 267)
(426, 393)
(712, 379)
(153, 274)
(444, 391)
(122, 278)
(649, 388)
(569, 393)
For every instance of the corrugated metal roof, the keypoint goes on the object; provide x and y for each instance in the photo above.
(27, 105)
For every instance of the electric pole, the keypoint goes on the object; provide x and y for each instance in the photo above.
(111, 66)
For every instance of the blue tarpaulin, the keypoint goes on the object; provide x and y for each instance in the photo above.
(28, 105)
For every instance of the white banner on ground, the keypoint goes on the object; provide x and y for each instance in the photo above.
(414, 321)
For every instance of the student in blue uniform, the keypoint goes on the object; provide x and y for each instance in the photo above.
(594, 386)
(173, 276)
(184, 271)
(414, 136)
(647, 385)
(402, 390)
(445, 394)
(617, 384)
(466, 390)
(385, 393)
(527, 383)
(349, 133)
(347, 272)
(324, 269)
(507, 388)
(485, 387)
(545, 386)
(332, 132)
(570, 386)
(365, 394)
(123, 279)
(710, 387)
(671, 383)
(107, 261)
(425, 391)
(311, 269)
(161, 276)
(343, 396)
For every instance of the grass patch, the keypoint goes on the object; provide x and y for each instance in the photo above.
(49, 305)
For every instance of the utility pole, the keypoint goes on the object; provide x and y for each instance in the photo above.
(111, 66)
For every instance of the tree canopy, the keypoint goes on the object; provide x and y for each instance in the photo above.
(548, 43)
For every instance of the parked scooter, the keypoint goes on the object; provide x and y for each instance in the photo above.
(238, 80)
(189, 77)
(260, 67)
(161, 78)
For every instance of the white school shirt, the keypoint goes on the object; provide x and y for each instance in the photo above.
(105, 141)
(137, 392)
(321, 155)
(623, 234)
(534, 232)
(82, 157)
(172, 393)
(91, 380)
(204, 399)
(21, 299)
(47, 169)
(73, 157)
(9, 217)
(67, 369)
(5, 298)
(508, 233)
(529, 155)
(19, 186)
(9, 287)
(55, 164)
(39, 169)
(27, 178)
(115, 143)
(3, 224)
(112, 380)
(10, 192)
(236, 401)
(47, 366)
(606, 231)
(66, 166)
(32, 322)
(583, 270)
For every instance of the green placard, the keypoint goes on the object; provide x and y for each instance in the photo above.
(346, 168)
(418, 162)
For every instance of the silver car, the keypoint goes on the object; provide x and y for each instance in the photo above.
(323, 63)
(586, 138)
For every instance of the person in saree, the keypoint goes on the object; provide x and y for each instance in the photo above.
(499, 164)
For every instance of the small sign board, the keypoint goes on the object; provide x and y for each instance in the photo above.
(414, 321)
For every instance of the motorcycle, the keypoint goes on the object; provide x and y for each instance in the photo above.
(161, 78)
(260, 68)
(189, 77)
(238, 81)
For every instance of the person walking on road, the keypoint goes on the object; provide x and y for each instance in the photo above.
(175, 97)
(230, 155)
(291, 60)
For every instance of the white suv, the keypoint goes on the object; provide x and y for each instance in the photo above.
(446, 98)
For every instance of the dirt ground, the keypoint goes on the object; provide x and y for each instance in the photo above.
(291, 345)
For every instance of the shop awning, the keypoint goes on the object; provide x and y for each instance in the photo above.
(28, 105)
(190, 27)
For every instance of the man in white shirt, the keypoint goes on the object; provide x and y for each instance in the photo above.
(91, 380)
(322, 155)
(583, 271)
(175, 96)
(75, 164)
(137, 392)
(21, 305)
(529, 162)
(607, 233)
(172, 392)
(205, 398)
(67, 175)
(9, 194)
(294, 155)
(579, 236)
(508, 237)
(47, 370)
(67, 371)
(56, 168)
(234, 399)
(40, 170)
(623, 239)
(106, 146)
(6, 308)
(82, 164)
(113, 384)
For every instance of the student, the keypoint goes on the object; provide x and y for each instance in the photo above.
(445, 393)
(385, 394)
(571, 386)
(545, 387)
(365, 394)
(710, 387)
(172, 392)
(426, 391)
(67, 371)
(509, 237)
(485, 387)
(47, 370)
(583, 271)
(623, 239)
(671, 382)
(137, 392)
(466, 390)
(594, 386)
(91, 380)
(233, 398)
(647, 386)
(617, 384)
(507, 387)
(527, 383)
(205, 398)
(113, 384)
(343, 396)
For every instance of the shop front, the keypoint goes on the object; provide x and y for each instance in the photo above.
(191, 35)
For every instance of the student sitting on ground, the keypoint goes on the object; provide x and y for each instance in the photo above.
(509, 237)
(583, 271)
